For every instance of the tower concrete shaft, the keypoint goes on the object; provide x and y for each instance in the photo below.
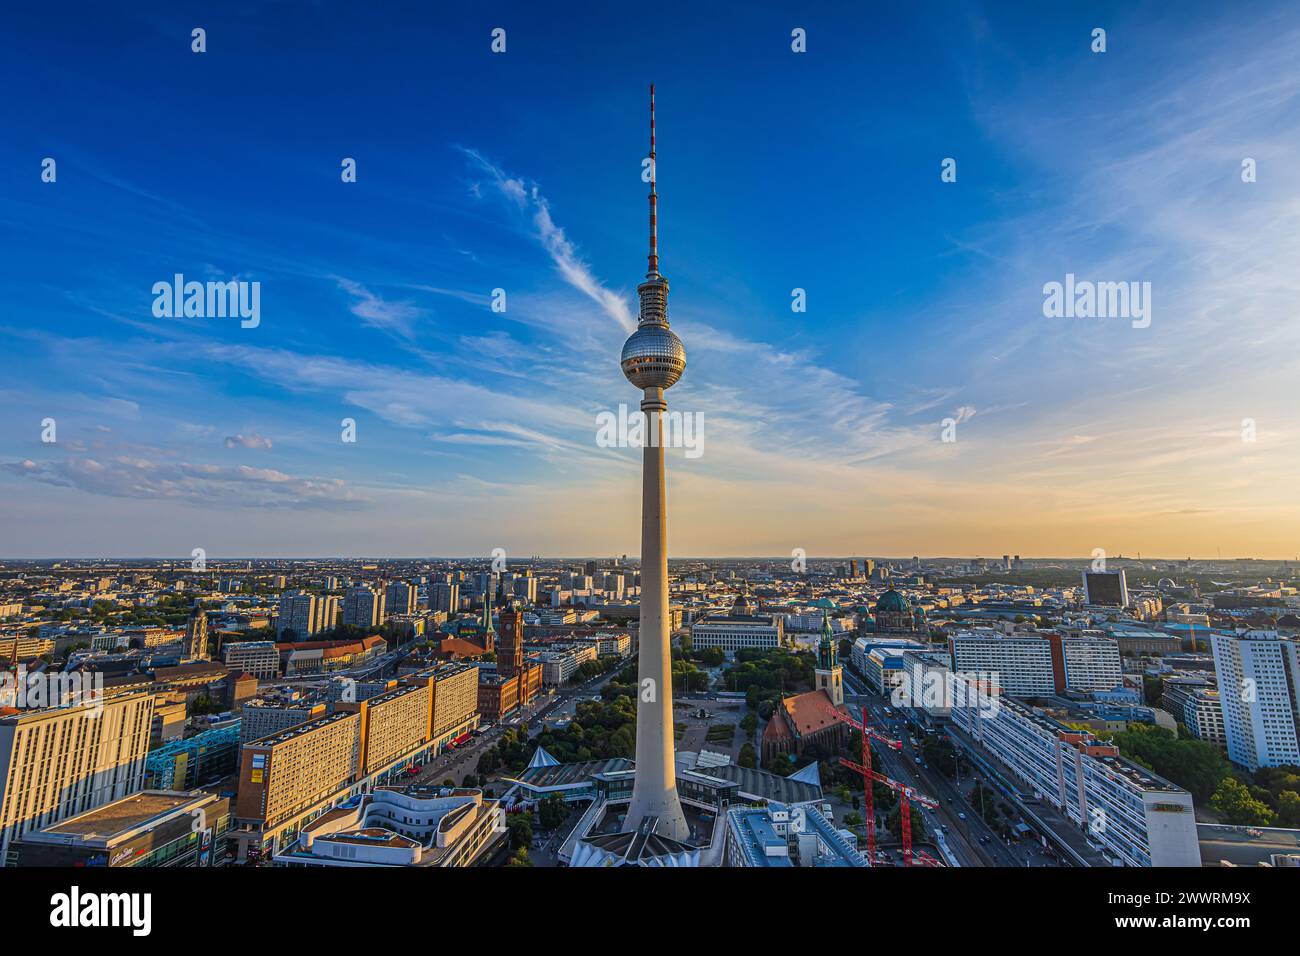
(654, 790)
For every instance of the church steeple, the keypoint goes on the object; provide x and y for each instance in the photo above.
(489, 635)
(829, 675)
(827, 654)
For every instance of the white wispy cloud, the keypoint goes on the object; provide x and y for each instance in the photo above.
(564, 254)
(375, 311)
(200, 484)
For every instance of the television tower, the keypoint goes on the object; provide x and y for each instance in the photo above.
(653, 360)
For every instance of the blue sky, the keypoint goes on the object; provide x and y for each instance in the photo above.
(776, 170)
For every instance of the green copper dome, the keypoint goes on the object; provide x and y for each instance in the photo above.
(892, 601)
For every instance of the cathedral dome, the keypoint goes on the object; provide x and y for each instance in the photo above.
(891, 602)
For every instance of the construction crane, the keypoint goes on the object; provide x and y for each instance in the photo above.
(868, 798)
(906, 794)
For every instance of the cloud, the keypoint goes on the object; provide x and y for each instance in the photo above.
(564, 254)
(198, 484)
(395, 317)
(251, 440)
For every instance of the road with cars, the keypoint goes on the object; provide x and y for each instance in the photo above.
(972, 841)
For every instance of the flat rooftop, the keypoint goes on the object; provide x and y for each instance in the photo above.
(126, 814)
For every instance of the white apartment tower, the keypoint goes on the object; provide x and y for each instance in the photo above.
(1259, 681)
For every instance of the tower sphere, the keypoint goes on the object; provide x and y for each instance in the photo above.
(653, 357)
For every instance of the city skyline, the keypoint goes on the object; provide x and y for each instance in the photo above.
(822, 429)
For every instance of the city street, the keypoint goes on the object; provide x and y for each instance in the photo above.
(971, 840)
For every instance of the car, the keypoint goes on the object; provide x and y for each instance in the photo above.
(961, 816)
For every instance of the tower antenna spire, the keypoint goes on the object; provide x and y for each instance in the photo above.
(654, 197)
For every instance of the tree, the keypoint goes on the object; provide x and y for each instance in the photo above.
(749, 723)
(748, 756)
(552, 812)
(520, 858)
(1194, 765)
(1288, 809)
(1233, 802)
(894, 823)
(520, 828)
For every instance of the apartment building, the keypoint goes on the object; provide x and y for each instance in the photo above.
(363, 607)
(392, 724)
(455, 701)
(294, 776)
(59, 762)
(560, 664)
(1195, 704)
(613, 645)
(1258, 675)
(1132, 816)
(1039, 663)
(1022, 661)
(1085, 661)
(298, 614)
(267, 717)
(444, 597)
(259, 658)
(400, 598)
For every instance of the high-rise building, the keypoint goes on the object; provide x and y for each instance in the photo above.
(526, 588)
(401, 598)
(444, 597)
(1258, 674)
(1021, 664)
(1105, 588)
(653, 360)
(1197, 706)
(327, 614)
(297, 614)
(61, 761)
(196, 635)
(286, 778)
(363, 607)
(1085, 661)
